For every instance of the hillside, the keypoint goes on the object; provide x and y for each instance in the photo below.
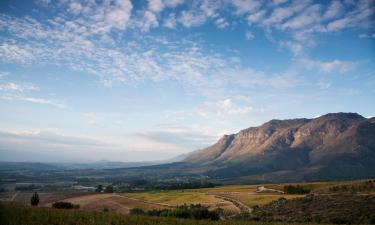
(338, 209)
(333, 146)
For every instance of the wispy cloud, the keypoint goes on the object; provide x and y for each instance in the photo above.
(329, 66)
(11, 91)
(11, 86)
(39, 101)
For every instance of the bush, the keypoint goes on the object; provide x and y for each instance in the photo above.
(137, 211)
(109, 189)
(197, 212)
(64, 205)
(296, 189)
(99, 188)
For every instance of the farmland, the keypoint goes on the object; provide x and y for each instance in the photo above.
(15, 215)
(235, 201)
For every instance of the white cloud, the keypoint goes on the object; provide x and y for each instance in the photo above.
(170, 21)
(338, 24)
(155, 6)
(39, 101)
(309, 16)
(295, 47)
(329, 66)
(83, 42)
(223, 108)
(75, 8)
(324, 85)
(92, 118)
(15, 53)
(173, 3)
(209, 7)
(280, 14)
(100, 17)
(249, 35)
(11, 86)
(245, 6)
(191, 18)
(148, 21)
(256, 17)
(11, 91)
(221, 23)
(334, 10)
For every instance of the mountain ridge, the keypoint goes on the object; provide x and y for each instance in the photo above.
(332, 145)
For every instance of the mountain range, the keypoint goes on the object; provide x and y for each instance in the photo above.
(332, 146)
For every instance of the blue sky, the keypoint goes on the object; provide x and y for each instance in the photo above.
(129, 80)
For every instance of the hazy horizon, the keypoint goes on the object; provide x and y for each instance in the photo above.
(136, 81)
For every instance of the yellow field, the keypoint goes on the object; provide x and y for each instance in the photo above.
(230, 197)
(251, 199)
(175, 197)
(111, 202)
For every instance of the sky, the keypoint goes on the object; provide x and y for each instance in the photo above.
(138, 80)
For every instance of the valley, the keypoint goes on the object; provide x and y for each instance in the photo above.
(235, 201)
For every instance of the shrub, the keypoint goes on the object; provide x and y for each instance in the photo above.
(186, 212)
(137, 211)
(63, 205)
(296, 189)
(109, 189)
(34, 199)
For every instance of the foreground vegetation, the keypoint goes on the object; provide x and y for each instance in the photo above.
(22, 215)
(326, 202)
(335, 208)
(197, 212)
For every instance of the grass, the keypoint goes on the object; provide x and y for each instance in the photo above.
(243, 193)
(258, 199)
(24, 215)
(46, 198)
(175, 197)
(112, 203)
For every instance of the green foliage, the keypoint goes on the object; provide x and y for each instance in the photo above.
(197, 212)
(34, 199)
(137, 211)
(109, 189)
(99, 188)
(336, 209)
(64, 205)
(365, 186)
(296, 189)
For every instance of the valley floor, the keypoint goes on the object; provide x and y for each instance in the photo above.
(267, 202)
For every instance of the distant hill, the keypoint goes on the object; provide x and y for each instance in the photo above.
(333, 146)
(100, 165)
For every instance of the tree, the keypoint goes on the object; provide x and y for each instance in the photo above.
(34, 199)
(99, 188)
(109, 189)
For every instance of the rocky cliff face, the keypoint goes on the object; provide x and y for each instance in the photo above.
(337, 144)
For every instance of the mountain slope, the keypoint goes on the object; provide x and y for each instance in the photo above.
(336, 145)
